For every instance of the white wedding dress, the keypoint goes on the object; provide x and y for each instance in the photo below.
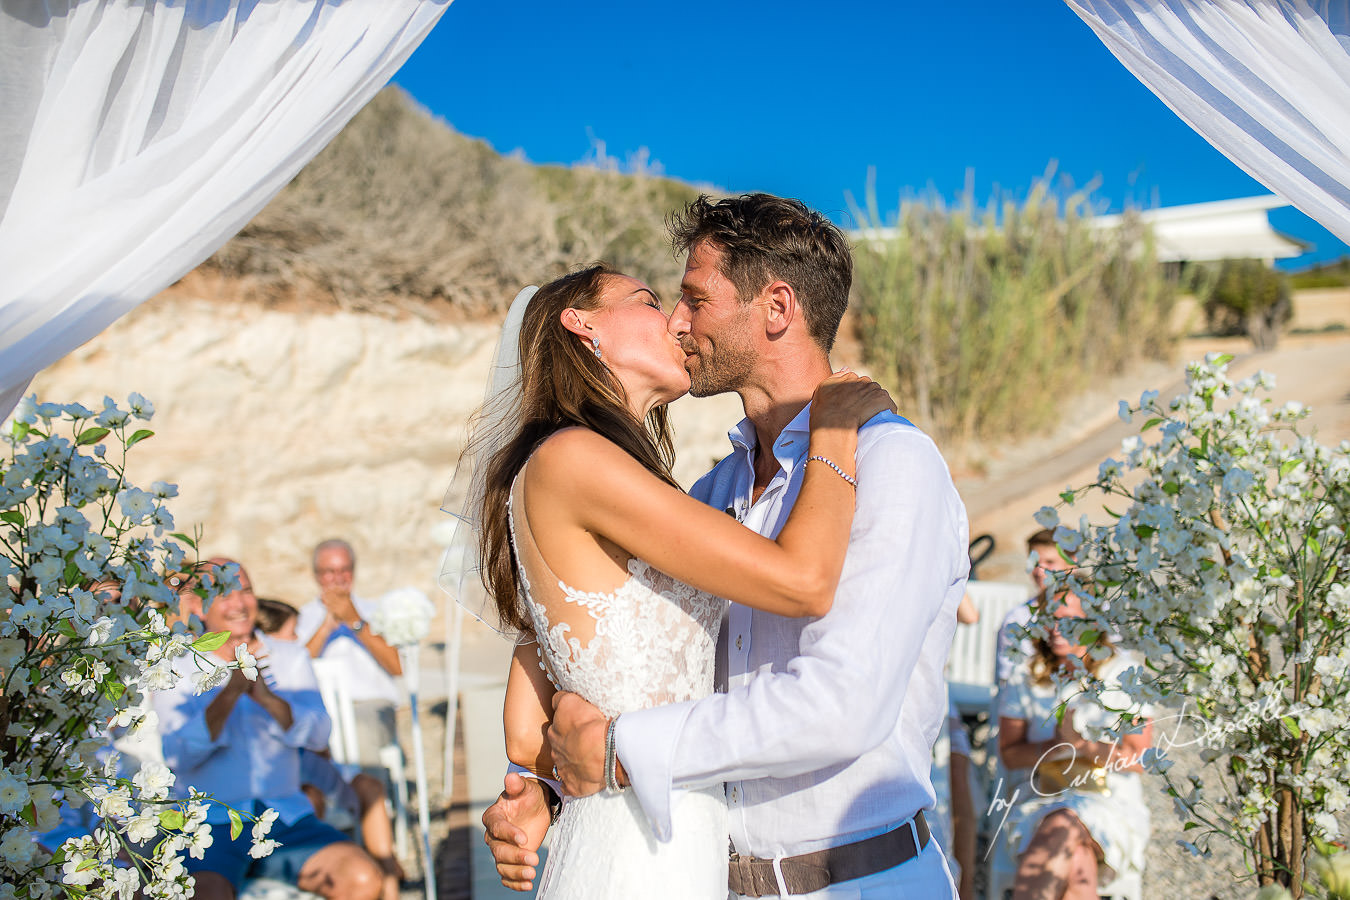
(650, 641)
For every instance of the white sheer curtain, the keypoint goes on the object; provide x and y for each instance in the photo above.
(1267, 82)
(137, 136)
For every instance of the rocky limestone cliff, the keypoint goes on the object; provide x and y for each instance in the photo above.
(285, 427)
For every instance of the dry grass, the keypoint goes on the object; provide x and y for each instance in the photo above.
(984, 319)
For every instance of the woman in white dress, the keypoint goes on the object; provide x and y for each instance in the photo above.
(1081, 821)
(616, 578)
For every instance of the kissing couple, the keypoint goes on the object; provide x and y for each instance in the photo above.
(762, 657)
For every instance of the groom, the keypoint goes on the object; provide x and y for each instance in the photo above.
(823, 734)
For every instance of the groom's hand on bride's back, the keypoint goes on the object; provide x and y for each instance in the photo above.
(577, 740)
(515, 827)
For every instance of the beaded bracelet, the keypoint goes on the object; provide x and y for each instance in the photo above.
(611, 759)
(831, 463)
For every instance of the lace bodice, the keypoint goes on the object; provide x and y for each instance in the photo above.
(650, 641)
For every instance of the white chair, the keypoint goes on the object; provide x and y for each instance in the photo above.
(343, 745)
(970, 667)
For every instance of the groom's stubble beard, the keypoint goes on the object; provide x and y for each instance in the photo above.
(723, 367)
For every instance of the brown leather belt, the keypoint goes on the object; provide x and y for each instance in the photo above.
(751, 876)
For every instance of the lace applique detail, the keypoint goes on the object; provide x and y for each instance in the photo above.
(654, 642)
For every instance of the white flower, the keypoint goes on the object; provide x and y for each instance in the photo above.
(1109, 471)
(199, 841)
(137, 505)
(263, 848)
(143, 826)
(1123, 410)
(126, 882)
(164, 490)
(1047, 517)
(101, 630)
(1068, 539)
(154, 780)
(141, 408)
(262, 826)
(14, 794)
(210, 678)
(18, 850)
(1147, 399)
(248, 664)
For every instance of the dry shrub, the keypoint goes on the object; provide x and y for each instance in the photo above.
(399, 210)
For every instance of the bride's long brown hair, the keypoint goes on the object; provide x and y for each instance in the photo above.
(562, 384)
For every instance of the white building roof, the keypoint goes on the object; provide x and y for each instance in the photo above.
(1196, 232)
(1221, 229)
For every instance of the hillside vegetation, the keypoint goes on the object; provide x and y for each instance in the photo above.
(400, 211)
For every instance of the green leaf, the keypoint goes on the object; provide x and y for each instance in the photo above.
(1066, 496)
(212, 641)
(114, 690)
(1150, 423)
(1189, 825)
(183, 538)
(66, 628)
(29, 814)
(1089, 637)
(1196, 453)
(1314, 545)
(1171, 488)
(1144, 532)
(1292, 726)
(72, 573)
(1288, 466)
(139, 436)
(87, 865)
(172, 819)
(20, 430)
(1223, 359)
(236, 825)
(1113, 514)
(13, 517)
(91, 436)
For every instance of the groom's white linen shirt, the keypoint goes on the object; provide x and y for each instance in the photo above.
(253, 757)
(824, 735)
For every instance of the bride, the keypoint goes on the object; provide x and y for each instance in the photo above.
(616, 579)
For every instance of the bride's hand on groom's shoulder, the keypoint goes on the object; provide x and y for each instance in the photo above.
(847, 400)
(577, 740)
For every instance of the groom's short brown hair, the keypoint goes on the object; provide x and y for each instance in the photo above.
(763, 238)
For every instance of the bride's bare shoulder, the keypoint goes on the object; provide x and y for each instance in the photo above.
(574, 453)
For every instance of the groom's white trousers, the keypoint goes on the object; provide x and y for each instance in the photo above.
(925, 877)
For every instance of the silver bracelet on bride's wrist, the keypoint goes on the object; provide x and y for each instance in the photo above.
(611, 759)
(831, 463)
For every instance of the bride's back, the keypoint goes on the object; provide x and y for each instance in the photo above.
(647, 640)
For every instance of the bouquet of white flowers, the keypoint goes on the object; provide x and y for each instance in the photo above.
(86, 565)
(403, 617)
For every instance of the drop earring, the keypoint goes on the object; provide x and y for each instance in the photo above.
(595, 347)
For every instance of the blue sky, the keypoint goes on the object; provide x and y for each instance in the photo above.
(800, 99)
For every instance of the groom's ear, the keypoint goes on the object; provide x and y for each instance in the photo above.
(780, 307)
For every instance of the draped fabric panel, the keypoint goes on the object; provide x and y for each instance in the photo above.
(1267, 82)
(137, 136)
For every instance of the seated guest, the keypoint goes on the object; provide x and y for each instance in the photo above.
(362, 797)
(240, 742)
(1081, 821)
(1012, 633)
(334, 626)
